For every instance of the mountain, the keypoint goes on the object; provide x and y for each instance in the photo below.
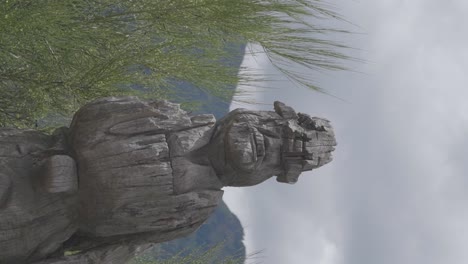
(222, 230)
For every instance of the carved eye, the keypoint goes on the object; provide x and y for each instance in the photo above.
(307, 122)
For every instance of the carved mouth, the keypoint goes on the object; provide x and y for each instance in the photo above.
(246, 145)
(258, 144)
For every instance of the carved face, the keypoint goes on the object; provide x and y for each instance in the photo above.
(259, 145)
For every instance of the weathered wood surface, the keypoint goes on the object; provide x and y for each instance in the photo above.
(128, 173)
(33, 221)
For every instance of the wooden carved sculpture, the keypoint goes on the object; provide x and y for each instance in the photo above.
(129, 173)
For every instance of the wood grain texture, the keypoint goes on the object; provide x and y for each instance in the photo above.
(129, 173)
(33, 222)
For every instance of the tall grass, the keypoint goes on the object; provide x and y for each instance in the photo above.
(56, 55)
(199, 255)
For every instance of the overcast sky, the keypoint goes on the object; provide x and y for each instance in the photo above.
(397, 190)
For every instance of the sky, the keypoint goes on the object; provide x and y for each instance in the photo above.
(397, 189)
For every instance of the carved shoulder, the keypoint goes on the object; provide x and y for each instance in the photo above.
(169, 217)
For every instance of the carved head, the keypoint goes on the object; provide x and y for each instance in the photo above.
(253, 146)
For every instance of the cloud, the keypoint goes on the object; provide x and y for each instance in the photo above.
(397, 189)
